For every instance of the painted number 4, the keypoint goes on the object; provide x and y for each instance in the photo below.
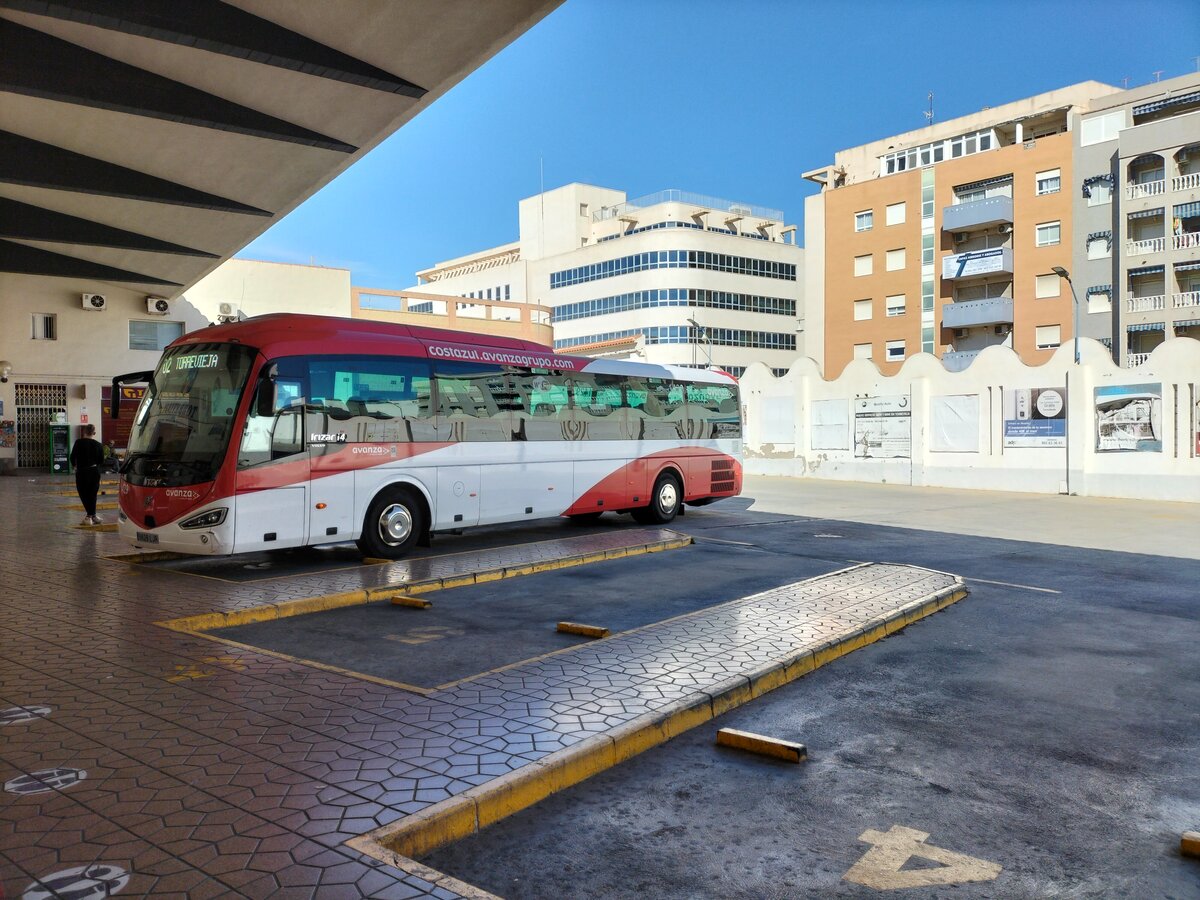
(882, 867)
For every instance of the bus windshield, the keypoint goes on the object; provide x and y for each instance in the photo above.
(183, 426)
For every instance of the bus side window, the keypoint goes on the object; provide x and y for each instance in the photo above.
(717, 406)
(275, 420)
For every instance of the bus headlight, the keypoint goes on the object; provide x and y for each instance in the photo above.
(210, 519)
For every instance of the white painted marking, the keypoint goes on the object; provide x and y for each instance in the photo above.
(82, 883)
(880, 867)
(45, 780)
(1024, 587)
(22, 714)
(708, 540)
(827, 535)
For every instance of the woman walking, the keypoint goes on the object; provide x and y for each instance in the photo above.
(87, 456)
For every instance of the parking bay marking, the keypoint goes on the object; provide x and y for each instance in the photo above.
(881, 867)
(1024, 587)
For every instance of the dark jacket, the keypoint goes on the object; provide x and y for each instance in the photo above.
(87, 454)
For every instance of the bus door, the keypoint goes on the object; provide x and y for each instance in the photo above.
(271, 508)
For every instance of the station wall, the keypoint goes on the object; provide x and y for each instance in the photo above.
(1092, 429)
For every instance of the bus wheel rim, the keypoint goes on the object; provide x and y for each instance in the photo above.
(395, 524)
(667, 496)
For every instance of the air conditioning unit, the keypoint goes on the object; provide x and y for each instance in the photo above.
(961, 237)
(158, 306)
(1000, 329)
(960, 332)
(227, 311)
(1004, 229)
(95, 302)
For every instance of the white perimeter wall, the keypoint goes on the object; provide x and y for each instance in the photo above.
(792, 425)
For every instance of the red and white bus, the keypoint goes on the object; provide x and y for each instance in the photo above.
(292, 430)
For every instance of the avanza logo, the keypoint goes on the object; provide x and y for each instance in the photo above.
(180, 494)
(374, 451)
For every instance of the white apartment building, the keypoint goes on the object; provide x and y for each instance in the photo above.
(672, 277)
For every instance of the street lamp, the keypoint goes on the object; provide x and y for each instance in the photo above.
(1064, 274)
(704, 337)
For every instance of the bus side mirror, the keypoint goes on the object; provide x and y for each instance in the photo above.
(265, 405)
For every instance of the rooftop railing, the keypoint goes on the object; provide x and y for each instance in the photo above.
(716, 204)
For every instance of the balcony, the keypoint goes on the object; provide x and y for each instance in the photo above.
(969, 313)
(1133, 360)
(1188, 182)
(1146, 304)
(977, 214)
(1186, 299)
(1145, 189)
(1148, 245)
(958, 360)
(1186, 241)
(977, 263)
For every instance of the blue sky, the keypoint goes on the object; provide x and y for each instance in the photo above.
(732, 98)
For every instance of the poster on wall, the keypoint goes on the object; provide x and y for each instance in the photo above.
(954, 424)
(882, 427)
(8, 434)
(1035, 417)
(1129, 418)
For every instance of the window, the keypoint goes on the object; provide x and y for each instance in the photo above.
(894, 350)
(864, 221)
(1099, 301)
(895, 305)
(1098, 129)
(153, 335)
(895, 260)
(1049, 182)
(583, 209)
(863, 265)
(862, 310)
(1098, 191)
(1048, 336)
(44, 327)
(1099, 246)
(862, 351)
(1048, 234)
(1046, 286)
(895, 213)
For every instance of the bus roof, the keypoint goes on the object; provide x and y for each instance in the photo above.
(295, 334)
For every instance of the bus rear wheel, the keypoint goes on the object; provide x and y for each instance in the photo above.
(665, 501)
(395, 522)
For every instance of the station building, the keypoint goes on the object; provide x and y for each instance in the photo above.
(672, 277)
(946, 239)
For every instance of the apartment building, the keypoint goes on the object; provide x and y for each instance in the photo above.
(1137, 209)
(944, 240)
(673, 277)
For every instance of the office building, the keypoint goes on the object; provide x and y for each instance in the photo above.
(672, 278)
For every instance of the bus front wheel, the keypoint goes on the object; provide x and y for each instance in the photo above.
(664, 501)
(395, 522)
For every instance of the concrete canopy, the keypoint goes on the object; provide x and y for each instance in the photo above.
(143, 142)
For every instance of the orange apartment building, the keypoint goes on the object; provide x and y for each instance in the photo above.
(944, 240)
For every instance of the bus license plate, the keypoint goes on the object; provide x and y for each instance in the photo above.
(147, 538)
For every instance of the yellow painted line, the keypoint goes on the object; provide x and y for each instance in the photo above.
(591, 631)
(99, 506)
(111, 493)
(337, 670)
(147, 556)
(411, 602)
(106, 528)
(1189, 843)
(451, 820)
(763, 745)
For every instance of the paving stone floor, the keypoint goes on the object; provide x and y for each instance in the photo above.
(168, 764)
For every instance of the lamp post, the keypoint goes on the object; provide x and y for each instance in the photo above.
(704, 337)
(1065, 275)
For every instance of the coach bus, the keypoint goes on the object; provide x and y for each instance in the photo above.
(294, 430)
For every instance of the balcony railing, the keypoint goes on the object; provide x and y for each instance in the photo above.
(1187, 298)
(1149, 245)
(1188, 182)
(1133, 360)
(717, 204)
(978, 214)
(1146, 304)
(1187, 240)
(969, 313)
(977, 263)
(1145, 189)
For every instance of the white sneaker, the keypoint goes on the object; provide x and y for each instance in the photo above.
(87, 520)
(96, 520)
